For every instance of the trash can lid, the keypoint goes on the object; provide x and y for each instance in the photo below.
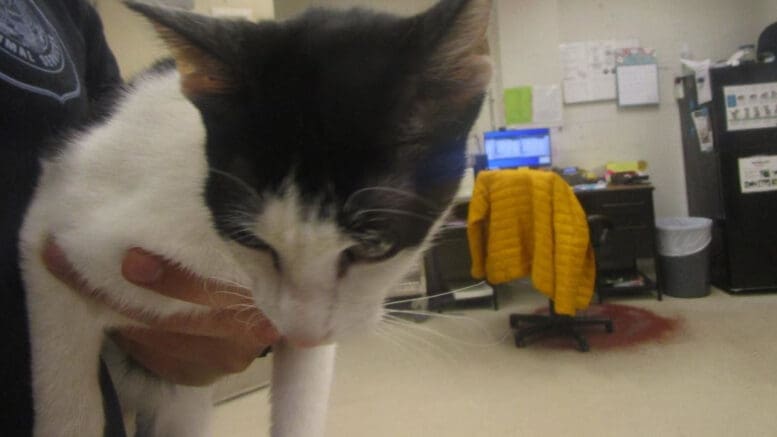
(682, 236)
(683, 223)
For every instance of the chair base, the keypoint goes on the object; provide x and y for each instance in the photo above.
(554, 324)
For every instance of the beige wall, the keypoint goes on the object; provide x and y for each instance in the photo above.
(765, 12)
(288, 8)
(526, 50)
(525, 39)
(531, 30)
(134, 41)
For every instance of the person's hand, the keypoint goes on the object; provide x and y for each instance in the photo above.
(188, 350)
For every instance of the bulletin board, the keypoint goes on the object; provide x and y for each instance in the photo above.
(589, 69)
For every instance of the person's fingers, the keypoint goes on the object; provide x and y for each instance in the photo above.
(219, 355)
(153, 272)
(167, 367)
(244, 323)
(236, 316)
(55, 261)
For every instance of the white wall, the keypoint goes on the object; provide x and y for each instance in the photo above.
(531, 30)
(288, 8)
(528, 33)
(134, 41)
(525, 40)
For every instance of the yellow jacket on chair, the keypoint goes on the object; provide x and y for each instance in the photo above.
(523, 222)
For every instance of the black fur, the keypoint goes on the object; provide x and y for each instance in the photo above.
(327, 98)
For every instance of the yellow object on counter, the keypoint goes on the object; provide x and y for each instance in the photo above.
(619, 166)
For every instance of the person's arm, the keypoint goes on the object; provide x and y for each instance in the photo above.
(102, 70)
(188, 350)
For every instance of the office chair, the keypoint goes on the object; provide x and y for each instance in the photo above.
(531, 326)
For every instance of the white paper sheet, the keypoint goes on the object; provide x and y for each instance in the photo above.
(546, 105)
(638, 85)
(701, 70)
(751, 106)
(758, 174)
(703, 125)
(589, 69)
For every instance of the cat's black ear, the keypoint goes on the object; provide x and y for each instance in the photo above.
(454, 33)
(194, 41)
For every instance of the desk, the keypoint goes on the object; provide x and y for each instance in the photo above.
(632, 237)
(447, 265)
(629, 207)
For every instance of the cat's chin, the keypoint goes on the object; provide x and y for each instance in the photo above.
(307, 344)
(307, 341)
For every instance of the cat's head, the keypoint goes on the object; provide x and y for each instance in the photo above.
(336, 141)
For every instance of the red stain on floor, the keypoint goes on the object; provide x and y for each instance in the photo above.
(632, 326)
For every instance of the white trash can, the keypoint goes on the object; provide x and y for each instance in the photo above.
(684, 255)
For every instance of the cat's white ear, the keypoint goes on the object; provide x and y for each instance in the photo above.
(201, 71)
(456, 30)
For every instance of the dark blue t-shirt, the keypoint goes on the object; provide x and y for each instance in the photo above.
(54, 66)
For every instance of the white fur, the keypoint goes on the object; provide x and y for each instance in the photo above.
(137, 181)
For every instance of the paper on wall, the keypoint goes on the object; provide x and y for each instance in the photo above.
(546, 105)
(518, 105)
(758, 174)
(701, 71)
(227, 12)
(751, 106)
(703, 125)
(589, 69)
(638, 85)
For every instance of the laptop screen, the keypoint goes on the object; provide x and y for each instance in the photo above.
(518, 148)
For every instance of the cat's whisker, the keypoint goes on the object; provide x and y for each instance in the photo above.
(240, 312)
(407, 344)
(246, 297)
(425, 313)
(362, 212)
(409, 340)
(239, 233)
(419, 329)
(430, 349)
(412, 328)
(242, 235)
(240, 307)
(251, 322)
(237, 180)
(391, 190)
(208, 284)
(229, 282)
(434, 315)
(391, 340)
(468, 322)
(421, 298)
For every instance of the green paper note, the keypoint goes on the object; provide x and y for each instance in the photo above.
(518, 105)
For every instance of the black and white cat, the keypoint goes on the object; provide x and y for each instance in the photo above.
(310, 161)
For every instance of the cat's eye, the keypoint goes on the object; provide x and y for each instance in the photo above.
(372, 249)
(367, 251)
(253, 242)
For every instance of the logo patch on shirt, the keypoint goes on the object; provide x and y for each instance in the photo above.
(32, 55)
